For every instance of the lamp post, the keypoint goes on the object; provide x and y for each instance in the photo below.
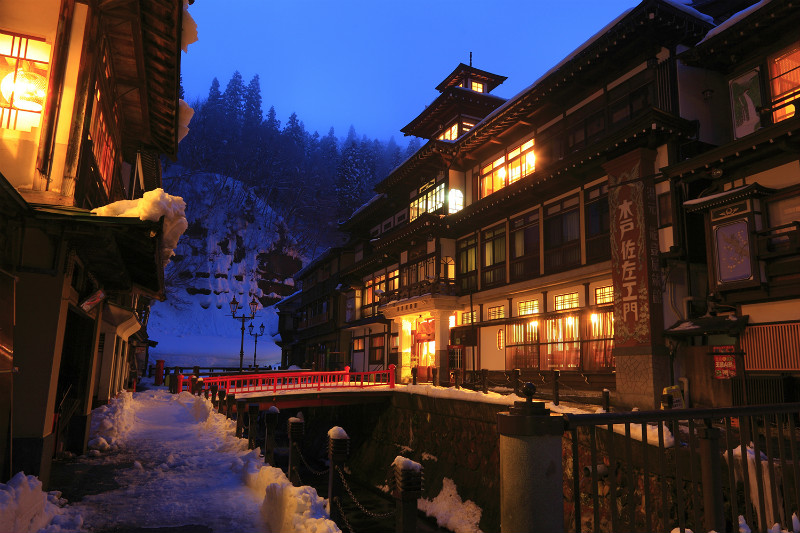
(256, 335)
(235, 305)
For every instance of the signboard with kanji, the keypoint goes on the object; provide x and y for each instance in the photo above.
(724, 366)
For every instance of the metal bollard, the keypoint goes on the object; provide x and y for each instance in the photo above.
(711, 471)
(457, 382)
(414, 375)
(338, 450)
(406, 489)
(296, 430)
(607, 400)
(556, 377)
(252, 426)
(485, 380)
(230, 402)
(269, 437)
(241, 408)
(221, 404)
(531, 469)
(435, 376)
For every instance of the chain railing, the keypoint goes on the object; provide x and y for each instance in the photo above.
(358, 504)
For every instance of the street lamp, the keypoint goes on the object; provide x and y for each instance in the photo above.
(235, 305)
(256, 335)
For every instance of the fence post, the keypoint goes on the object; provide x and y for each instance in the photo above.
(407, 489)
(193, 384)
(221, 403)
(556, 377)
(338, 449)
(607, 400)
(711, 468)
(392, 369)
(531, 469)
(230, 402)
(214, 390)
(296, 430)
(457, 380)
(269, 438)
(252, 427)
(159, 372)
(435, 376)
(241, 408)
(414, 375)
(179, 384)
(485, 380)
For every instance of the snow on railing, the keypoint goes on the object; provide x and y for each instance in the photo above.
(294, 381)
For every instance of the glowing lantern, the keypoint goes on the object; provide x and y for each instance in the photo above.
(24, 66)
(24, 90)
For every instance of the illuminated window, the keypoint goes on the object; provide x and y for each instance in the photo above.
(501, 344)
(566, 301)
(604, 295)
(450, 134)
(393, 280)
(528, 307)
(477, 87)
(448, 268)
(430, 199)
(468, 318)
(455, 201)
(497, 312)
(24, 66)
(784, 81)
(517, 163)
(103, 145)
(451, 321)
(466, 126)
(358, 344)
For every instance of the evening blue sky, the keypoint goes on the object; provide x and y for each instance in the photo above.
(375, 64)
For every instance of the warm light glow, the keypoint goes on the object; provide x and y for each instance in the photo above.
(570, 320)
(451, 321)
(26, 90)
(477, 87)
(455, 200)
(594, 318)
(24, 66)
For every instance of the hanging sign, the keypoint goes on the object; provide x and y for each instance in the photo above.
(724, 361)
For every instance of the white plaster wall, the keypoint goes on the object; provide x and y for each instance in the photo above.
(491, 357)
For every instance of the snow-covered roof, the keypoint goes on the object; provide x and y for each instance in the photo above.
(732, 21)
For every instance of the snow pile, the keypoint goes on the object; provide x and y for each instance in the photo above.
(450, 512)
(652, 434)
(24, 508)
(337, 433)
(185, 114)
(406, 464)
(286, 508)
(152, 206)
(111, 422)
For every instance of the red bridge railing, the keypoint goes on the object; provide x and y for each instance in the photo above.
(294, 381)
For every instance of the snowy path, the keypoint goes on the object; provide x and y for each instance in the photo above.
(187, 469)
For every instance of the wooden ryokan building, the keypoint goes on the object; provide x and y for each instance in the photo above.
(589, 223)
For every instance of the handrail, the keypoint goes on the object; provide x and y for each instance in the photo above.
(284, 381)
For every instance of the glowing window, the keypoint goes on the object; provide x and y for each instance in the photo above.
(451, 321)
(501, 344)
(358, 344)
(528, 307)
(497, 312)
(455, 201)
(430, 199)
(784, 80)
(450, 134)
(477, 87)
(566, 301)
(518, 162)
(466, 126)
(103, 146)
(468, 318)
(24, 66)
(604, 295)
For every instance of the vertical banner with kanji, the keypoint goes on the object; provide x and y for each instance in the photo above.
(634, 250)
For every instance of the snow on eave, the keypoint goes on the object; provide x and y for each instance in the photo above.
(732, 21)
(363, 207)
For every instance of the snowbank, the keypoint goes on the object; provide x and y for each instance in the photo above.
(24, 508)
(111, 422)
(450, 511)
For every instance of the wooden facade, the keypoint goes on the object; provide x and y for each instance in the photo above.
(572, 227)
(89, 103)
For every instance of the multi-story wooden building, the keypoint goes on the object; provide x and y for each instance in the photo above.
(551, 231)
(88, 103)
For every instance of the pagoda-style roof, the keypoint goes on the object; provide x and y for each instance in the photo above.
(463, 72)
(454, 103)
